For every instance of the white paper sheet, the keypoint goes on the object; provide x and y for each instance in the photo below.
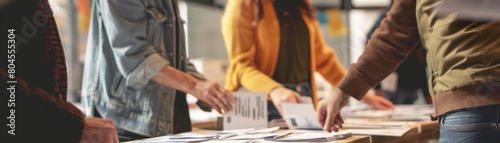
(184, 137)
(379, 132)
(305, 99)
(250, 111)
(265, 130)
(366, 124)
(400, 113)
(484, 10)
(300, 116)
(313, 137)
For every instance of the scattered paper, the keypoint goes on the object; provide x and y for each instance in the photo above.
(401, 113)
(236, 131)
(257, 136)
(312, 137)
(265, 130)
(184, 137)
(229, 141)
(250, 111)
(353, 124)
(379, 132)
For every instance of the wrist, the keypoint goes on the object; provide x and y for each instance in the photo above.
(344, 98)
(193, 84)
(274, 89)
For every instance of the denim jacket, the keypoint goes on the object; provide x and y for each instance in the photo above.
(129, 42)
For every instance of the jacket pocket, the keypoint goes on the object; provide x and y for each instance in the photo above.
(156, 19)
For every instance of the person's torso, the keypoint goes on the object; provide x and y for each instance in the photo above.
(149, 110)
(460, 53)
(293, 64)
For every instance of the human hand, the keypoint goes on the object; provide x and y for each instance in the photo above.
(281, 94)
(99, 130)
(377, 102)
(428, 99)
(214, 95)
(379, 92)
(329, 111)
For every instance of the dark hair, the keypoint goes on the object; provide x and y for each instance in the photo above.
(286, 4)
(295, 5)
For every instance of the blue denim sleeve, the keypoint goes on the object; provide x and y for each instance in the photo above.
(125, 24)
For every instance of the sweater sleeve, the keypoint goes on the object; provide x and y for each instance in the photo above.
(387, 48)
(239, 36)
(43, 116)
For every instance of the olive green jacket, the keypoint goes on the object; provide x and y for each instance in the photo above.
(463, 56)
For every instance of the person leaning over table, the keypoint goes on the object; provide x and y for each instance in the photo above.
(42, 111)
(463, 57)
(275, 46)
(411, 75)
(137, 73)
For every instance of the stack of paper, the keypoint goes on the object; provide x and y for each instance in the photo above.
(312, 137)
(379, 132)
(400, 113)
(185, 137)
(303, 116)
(353, 124)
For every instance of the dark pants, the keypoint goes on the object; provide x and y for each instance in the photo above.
(402, 96)
(471, 125)
(304, 89)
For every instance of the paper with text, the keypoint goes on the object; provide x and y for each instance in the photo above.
(249, 111)
(300, 116)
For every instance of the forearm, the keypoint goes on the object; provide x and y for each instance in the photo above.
(171, 77)
(387, 48)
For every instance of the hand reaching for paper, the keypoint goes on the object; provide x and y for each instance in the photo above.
(377, 102)
(329, 111)
(213, 94)
(99, 130)
(282, 94)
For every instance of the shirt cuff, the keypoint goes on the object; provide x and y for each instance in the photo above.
(148, 68)
(354, 86)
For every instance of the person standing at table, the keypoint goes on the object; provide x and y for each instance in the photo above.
(463, 59)
(136, 70)
(35, 77)
(275, 46)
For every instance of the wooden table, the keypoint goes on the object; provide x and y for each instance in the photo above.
(419, 133)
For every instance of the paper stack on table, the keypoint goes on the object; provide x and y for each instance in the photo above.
(250, 135)
(312, 137)
(401, 113)
(184, 137)
(303, 116)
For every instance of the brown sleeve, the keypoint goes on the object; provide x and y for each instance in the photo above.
(43, 116)
(388, 47)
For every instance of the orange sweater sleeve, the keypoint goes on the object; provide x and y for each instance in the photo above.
(327, 63)
(240, 39)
